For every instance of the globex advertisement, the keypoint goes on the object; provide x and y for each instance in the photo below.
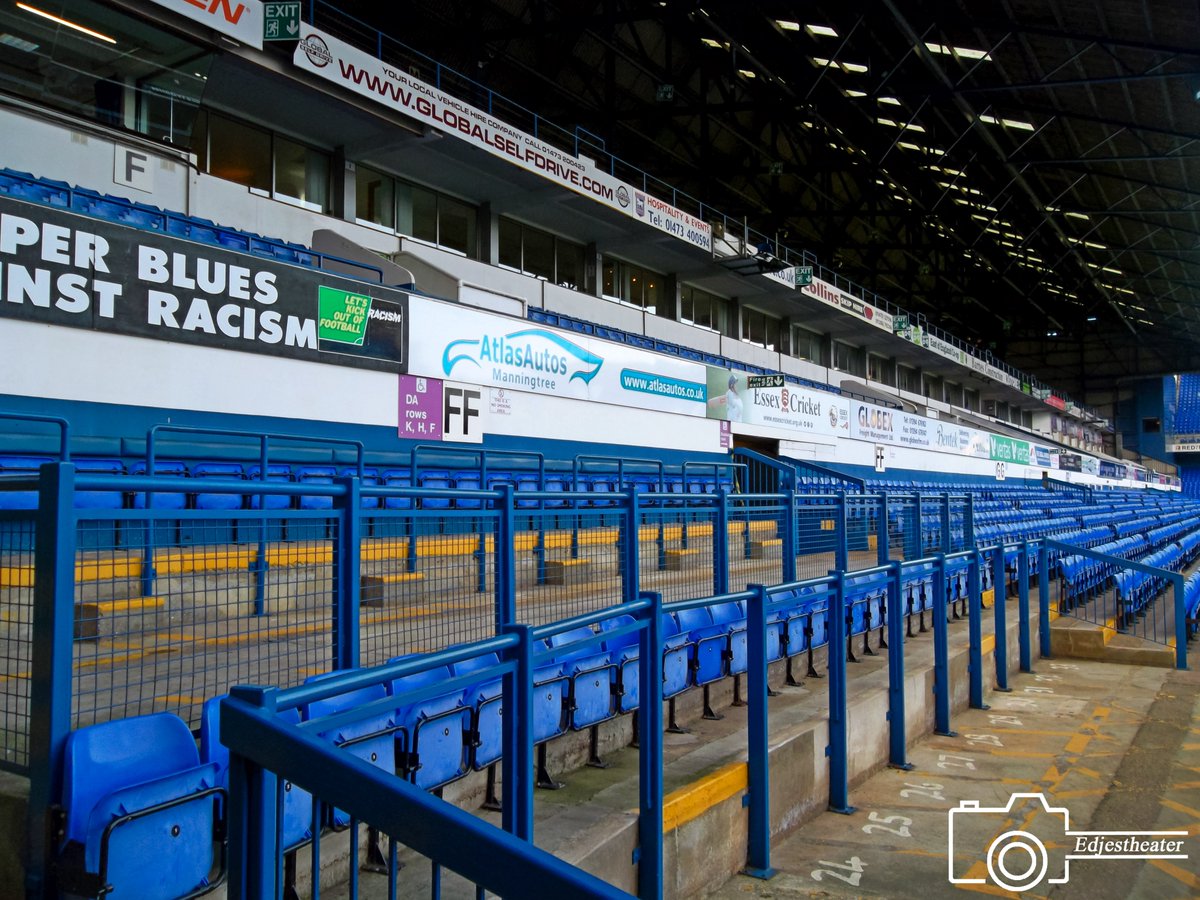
(481, 348)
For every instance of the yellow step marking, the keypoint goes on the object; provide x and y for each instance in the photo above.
(16, 576)
(1090, 792)
(568, 562)
(688, 802)
(180, 700)
(129, 605)
(979, 870)
(283, 555)
(183, 562)
(1078, 743)
(398, 577)
(1180, 808)
(988, 644)
(1191, 879)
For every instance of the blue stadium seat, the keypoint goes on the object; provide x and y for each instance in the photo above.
(315, 475)
(99, 499)
(438, 479)
(297, 802)
(225, 472)
(398, 478)
(592, 674)
(141, 811)
(275, 472)
(431, 748)
(169, 500)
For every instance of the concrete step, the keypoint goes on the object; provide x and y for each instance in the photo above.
(1080, 639)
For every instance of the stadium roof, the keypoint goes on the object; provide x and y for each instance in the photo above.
(1021, 173)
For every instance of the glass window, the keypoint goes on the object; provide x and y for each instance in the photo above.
(632, 284)
(301, 174)
(510, 244)
(760, 328)
(539, 253)
(808, 345)
(699, 307)
(848, 359)
(375, 197)
(569, 259)
(239, 152)
(456, 225)
(909, 379)
(424, 214)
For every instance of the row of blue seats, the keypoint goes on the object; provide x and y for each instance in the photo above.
(1137, 590)
(676, 486)
(140, 789)
(60, 194)
(1187, 406)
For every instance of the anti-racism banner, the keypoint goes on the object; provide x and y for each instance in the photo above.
(771, 401)
(325, 56)
(475, 347)
(63, 269)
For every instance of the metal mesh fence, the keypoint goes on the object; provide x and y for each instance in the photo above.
(816, 518)
(960, 524)
(163, 624)
(428, 578)
(569, 558)
(676, 546)
(904, 528)
(756, 539)
(862, 530)
(16, 638)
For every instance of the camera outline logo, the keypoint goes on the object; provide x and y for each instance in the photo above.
(1014, 847)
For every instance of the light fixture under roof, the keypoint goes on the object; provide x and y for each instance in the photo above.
(11, 40)
(963, 52)
(710, 42)
(1007, 123)
(820, 31)
(785, 25)
(747, 73)
(66, 23)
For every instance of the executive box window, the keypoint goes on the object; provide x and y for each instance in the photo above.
(374, 197)
(429, 216)
(262, 161)
(909, 378)
(540, 254)
(760, 328)
(633, 285)
(851, 360)
(808, 345)
(301, 174)
(699, 307)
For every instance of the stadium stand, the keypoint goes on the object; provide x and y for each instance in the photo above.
(312, 534)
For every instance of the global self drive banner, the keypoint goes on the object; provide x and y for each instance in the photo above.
(482, 348)
(771, 401)
(327, 57)
(63, 269)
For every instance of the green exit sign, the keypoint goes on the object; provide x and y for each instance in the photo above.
(804, 275)
(281, 21)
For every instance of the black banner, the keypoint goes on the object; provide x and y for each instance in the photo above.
(60, 268)
(1070, 462)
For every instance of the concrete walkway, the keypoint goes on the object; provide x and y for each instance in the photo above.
(1117, 746)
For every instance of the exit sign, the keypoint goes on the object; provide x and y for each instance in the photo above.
(281, 21)
(804, 276)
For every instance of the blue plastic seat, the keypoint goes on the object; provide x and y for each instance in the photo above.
(467, 481)
(297, 802)
(160, 500)
(315, 475)
(433, 750)
(371, 738)
(275, 472)
(223, 471)
(141, 811)
(99, 499)
(438, 479)
(23, 467)
(590, 693)
(400, 478)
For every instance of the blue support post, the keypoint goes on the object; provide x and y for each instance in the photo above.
(882, 547)
(897, 725)
(1180, 622)
(975, 632)
(789, 535)
(1023, 629)
(630, 556)
(839, 779)
(261, 563)
(1000, 616)
(758, 851)
(941, 651)
(50, 684)
(347, 550)
(253, 815)
(650, 753)
(721, 544)
(1044, 600)
(517, 766)
(919, 550)
(506, 560)
(842, 550)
